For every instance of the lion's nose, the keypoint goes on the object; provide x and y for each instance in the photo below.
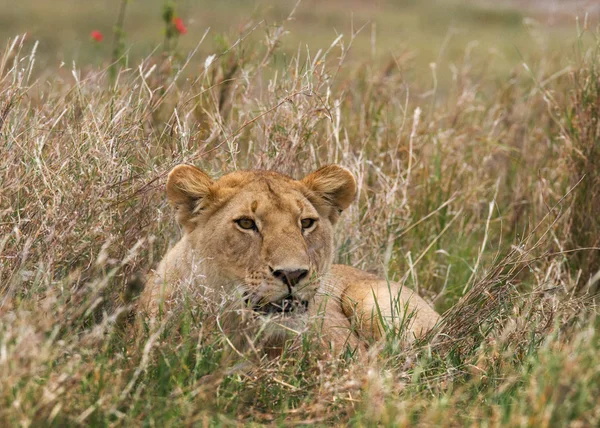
(290, 277)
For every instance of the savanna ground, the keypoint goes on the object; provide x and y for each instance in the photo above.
(472, 130)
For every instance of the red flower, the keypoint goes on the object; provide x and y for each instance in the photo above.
(97, 35)
(179, 25)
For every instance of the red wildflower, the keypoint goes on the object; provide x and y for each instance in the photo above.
(97, 35)
(179, 25)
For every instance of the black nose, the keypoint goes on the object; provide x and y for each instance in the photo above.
(290, 277)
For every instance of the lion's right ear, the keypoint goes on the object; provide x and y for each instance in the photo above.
(335, 186)
(187, 189)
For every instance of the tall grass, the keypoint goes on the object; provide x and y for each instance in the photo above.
(583, 134)
(475, 199)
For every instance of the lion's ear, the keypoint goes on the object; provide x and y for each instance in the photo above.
(187, 188)
(334, 185)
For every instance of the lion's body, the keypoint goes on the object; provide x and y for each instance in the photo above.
(262, 242)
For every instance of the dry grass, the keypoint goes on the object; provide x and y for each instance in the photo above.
(473, 198)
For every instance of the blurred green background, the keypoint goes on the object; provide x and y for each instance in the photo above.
(417, 32)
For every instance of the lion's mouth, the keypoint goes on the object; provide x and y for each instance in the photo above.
(286, 305)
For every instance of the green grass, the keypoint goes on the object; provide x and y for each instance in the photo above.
(466, 194)
(422, 32)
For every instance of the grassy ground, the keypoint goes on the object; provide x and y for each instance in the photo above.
(483, 197)
(413, 33)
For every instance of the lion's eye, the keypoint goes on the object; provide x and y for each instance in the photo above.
(246, 223)
(307, 223)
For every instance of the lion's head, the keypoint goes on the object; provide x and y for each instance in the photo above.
(260, 234)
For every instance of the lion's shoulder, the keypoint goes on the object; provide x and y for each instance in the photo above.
(364, 294)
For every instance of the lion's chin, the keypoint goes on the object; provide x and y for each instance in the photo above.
(280, 327)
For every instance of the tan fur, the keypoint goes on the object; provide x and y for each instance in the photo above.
(217, 260)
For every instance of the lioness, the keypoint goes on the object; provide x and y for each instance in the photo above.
(266, 241)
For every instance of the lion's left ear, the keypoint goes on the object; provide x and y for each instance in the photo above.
(334, 185)
(187, 189)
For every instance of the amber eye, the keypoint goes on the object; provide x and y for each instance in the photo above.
(246, 223)
(307, 223)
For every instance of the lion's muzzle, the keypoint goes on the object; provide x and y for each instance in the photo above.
(287, 305)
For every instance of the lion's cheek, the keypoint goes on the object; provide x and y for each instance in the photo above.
(232, 253)
(320, 251)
